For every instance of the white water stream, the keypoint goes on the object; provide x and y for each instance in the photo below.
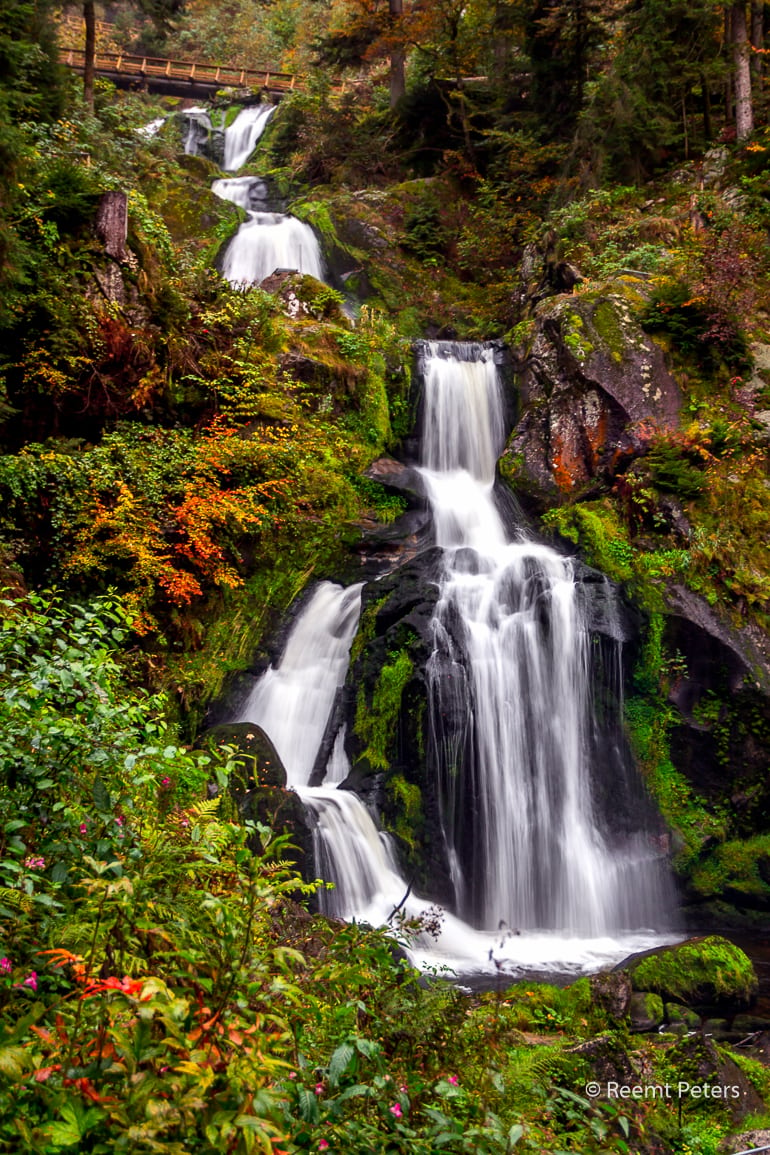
(242, 135)
(540, 866)
(266, 241)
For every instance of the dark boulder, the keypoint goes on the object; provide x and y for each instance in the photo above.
(595, 390)
(611, 991)
(258, 785)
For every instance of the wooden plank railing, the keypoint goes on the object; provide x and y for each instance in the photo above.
(196, 73)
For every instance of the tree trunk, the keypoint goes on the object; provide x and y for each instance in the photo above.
(706, 106)
(757, 35)
(727, 41)
(89, 16)
(397, 79)
(744, 111)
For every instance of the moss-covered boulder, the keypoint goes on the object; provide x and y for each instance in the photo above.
(595, 388)
(697, 1061)
(675, 1013)
(645, 1010)
(708, 971)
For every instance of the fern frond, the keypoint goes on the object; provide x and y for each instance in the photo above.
(17, 899)
(204, 810)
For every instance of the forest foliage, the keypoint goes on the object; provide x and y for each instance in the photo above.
(179, 462)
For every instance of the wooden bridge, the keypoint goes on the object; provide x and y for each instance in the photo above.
(177, 77)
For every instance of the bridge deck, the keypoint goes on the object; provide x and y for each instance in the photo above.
(196, 75)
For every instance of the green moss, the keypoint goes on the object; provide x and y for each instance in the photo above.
(574, 334)
(608, 327)
(597, 528)
(676, 1013)
(646, 1005)
(376, 724)
(703, 971)
(407, 817)
(366, 628)
(317, 214)
(736, 866)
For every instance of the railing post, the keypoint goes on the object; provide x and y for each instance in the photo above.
(240, 78)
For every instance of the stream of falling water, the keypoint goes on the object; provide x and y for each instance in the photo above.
(533, 871)
(267, 240)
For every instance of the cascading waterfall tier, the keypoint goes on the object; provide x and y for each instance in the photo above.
(198, 129)
(293, 700)
(508, 622)
(534, 869)
(242, 135)
(267, 240)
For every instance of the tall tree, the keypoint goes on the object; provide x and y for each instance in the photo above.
(644, 106)
(561, 38)
(89, 64)
(757, 35)
(739, 34)
(397, 75)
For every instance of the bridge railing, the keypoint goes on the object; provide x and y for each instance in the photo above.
(127, 64)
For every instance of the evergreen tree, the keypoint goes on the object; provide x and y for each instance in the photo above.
(653, 98)
(30, 89)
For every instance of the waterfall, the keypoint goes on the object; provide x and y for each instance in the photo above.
(293, 700)
(524, 839)
(539, 883)
(242, 135)
(270, 241)
(148, 131)
(198, 129)
(266, 241)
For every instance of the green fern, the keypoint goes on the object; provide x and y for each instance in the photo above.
(17, 899)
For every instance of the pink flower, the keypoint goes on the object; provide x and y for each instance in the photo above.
(403, 1089)
(292, 1074)
(83, 828)
(323, 1145)
(120, 820)
(31, 981)
(5, 965)
(319, 1088)
(396, 1110)
(34, 862)
(452, 1079)
(165, 781)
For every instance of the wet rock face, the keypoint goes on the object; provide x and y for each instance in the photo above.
(611, 991)
(258, 786)
(396, 625)
(595, 389)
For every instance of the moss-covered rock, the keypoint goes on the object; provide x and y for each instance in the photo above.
(708, 971)
(676, 1013)
(645, 1010)
(611, 992)
(594, 387)
(697, 1060)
